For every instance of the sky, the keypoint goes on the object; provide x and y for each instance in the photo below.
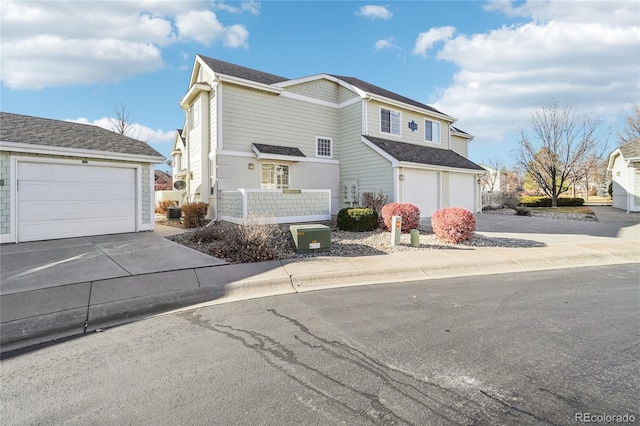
(486, 63)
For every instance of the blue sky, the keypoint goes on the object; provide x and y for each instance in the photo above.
(487, 63)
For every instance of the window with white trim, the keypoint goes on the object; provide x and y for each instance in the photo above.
(431, 131)
(194, 114)
(324, 147)
(274, 176)
(390, 121)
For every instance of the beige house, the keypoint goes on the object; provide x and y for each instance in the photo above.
(624, 164)
(301, 149)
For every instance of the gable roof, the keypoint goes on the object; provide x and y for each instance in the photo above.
(238, 71)
(253, 75)
(37, 131)
(412, 153)
(368, 87)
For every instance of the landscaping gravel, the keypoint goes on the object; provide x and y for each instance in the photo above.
(363, 243)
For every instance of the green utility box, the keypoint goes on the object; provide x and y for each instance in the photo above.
(311, 238)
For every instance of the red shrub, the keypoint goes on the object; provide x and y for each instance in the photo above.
(409, 213)
(453, 224)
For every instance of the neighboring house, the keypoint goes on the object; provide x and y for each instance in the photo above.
(301, 149)
(493, 180)
(624, 164)
(61, 180)
(163, 181)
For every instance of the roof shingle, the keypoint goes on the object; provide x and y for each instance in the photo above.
(631, 149)
(412, 153)
(238, 71)
(26, 129)
(278, 150)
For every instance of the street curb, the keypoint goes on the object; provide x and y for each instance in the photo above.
(276, 278)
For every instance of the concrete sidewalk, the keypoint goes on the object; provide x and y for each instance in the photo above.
(47, 306)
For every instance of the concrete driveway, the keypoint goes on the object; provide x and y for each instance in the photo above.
(612, 223)
(42, 264)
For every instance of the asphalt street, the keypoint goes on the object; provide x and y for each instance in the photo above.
(527, 348)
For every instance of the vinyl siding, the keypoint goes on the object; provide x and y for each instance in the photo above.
(406, 135)
(194, 143)
(460, 145)
(323, 90)
(358, 162)
(252, 116)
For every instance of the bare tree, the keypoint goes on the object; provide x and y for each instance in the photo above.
(557, 144)
(631, 130)
(123, 122)
(496, 172)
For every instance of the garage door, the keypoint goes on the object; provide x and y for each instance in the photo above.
(462, 191)
(421, 187)
(62, 201)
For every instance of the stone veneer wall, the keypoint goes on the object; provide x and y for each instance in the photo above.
(5, 207)
(278, 204)
(231, 204)
(147, 193)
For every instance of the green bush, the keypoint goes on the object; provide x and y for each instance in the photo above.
(357, 219)
(546, 201)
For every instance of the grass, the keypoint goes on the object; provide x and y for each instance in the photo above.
(568, 210)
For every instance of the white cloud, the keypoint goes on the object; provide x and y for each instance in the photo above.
(251, 6)
(203, 26)
(591, 62)
(138, 131)
(374, 12)
(61, 43)
(388, 43)
(427, 39)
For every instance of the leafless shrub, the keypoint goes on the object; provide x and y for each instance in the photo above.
(254, 240)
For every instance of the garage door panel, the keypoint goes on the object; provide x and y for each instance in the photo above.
(421, 188)
(34, 211)
(74, 200)
(121, 192)
(462, 191)
(29, 190)
(35, 171)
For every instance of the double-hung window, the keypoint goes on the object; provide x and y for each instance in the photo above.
(274, 176)
(194, 114)
(324, 147)
(389, 121)
(431, 131)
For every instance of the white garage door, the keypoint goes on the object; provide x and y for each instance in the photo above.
(421, 187)
(462, 191)
(62, 200)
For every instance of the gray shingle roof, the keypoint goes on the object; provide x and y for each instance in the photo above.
(26, 129)
(631, 149)
(265, 78)
(455, 129)
(367, 87)
(278, 150)
(241, 72)
(412, 153)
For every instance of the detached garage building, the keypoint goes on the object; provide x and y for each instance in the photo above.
(61, 180)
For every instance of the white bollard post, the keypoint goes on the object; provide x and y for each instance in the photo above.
(396, 230)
